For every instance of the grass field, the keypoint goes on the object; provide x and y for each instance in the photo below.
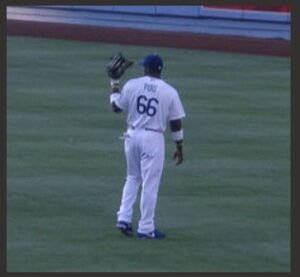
(226, 209)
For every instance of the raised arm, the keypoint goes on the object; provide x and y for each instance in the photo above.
(115, 94)
(116, 67)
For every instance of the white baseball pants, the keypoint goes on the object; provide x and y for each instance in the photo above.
(145, 154)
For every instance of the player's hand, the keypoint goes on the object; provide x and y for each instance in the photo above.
(178, 155)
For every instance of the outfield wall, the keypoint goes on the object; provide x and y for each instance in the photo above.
(191, 12)
(193, 19)
(77, 23)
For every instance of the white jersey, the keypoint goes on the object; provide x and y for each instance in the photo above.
(150, 103)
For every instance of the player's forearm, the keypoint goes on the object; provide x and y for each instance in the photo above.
(177, 131)
(177, 137)
(115, 95)
(175, 125)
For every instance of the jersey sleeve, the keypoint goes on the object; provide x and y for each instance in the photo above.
(122, 101)
(176, 108)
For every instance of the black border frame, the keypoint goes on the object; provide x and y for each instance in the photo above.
(295, 137)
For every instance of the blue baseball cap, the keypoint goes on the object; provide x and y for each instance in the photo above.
(153, 62)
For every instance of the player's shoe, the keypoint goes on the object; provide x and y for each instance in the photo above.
(152, 235)
(125, 228)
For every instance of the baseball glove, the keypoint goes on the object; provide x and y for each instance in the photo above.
(117, 66)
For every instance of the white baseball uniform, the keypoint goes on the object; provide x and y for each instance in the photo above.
(150, 103)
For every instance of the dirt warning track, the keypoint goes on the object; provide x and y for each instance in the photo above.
(247, 45)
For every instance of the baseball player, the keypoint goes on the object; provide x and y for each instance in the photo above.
(151, 104)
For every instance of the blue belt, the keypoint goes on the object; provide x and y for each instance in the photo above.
(146, 129)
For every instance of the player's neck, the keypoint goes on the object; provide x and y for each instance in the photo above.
(153, 75)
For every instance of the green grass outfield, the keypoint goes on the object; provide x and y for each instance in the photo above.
(226, 209)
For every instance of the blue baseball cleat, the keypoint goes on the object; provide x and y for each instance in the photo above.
(125, 228)
(152, 235)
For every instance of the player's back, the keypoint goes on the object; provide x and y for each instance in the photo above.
(150, 103)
